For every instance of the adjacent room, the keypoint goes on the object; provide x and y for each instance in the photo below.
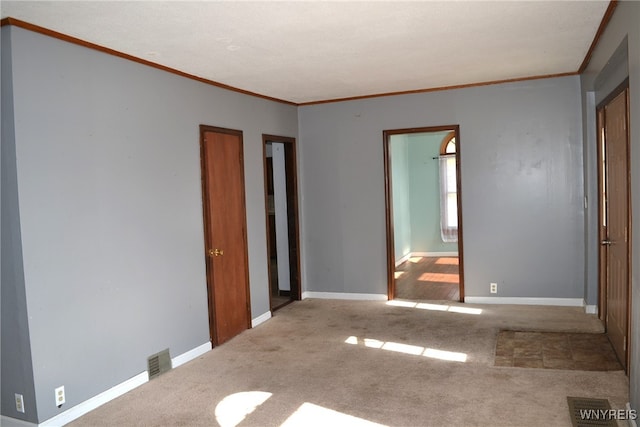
(349, 213)
(424, 189)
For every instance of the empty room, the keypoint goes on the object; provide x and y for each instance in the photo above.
(304, 213)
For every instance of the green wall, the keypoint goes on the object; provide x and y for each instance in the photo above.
(424, 191)
(401, 196)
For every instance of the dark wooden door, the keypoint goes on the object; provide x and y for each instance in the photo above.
(225, 232)
(617, 224)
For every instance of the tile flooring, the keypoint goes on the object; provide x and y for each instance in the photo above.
(555, 350)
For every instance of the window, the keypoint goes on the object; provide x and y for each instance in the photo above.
(448, 189)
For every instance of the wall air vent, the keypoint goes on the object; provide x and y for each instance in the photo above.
(158, 364)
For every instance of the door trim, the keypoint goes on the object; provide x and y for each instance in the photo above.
(206, 205)
(391, 265)
(602, 249)
(293, 168)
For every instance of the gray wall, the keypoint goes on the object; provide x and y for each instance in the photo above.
(624, 24)
(522, 186)
(16, 367)
(108, 180)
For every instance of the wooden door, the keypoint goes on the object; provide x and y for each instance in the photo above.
(616, 224)
(225, 232)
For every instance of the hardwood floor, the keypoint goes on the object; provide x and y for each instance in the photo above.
(428, 278)
(278, 298)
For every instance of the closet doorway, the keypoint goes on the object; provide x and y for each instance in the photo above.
(423, 213)
(281, 200)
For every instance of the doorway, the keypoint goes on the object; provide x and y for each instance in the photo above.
(281, 200)
(423, 213)
(225, 228)
(614, 219)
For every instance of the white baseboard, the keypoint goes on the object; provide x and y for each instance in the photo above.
(14, 422)
(117, 391)
(566, 302)
(260, 319)
(96, 401)
(403, 259)
(424, 254)
(434, 253)
(344, 295)
(190, 355)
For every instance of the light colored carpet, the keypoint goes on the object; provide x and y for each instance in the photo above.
(325, 362)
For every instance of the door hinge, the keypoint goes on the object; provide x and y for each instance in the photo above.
(624, 344)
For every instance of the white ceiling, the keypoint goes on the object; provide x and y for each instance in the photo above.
(307, 51)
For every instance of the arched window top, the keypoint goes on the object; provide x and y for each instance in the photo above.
(448, 145)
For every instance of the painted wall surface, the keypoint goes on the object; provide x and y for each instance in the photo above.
(15, 352)
(522, 186)
(108, 179)
(624, 23)
(425, 193)
(401, 195)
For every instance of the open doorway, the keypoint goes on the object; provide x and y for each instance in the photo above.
(281, 198)
(424, 218)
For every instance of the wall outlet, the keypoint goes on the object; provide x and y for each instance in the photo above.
(19, 403)
(60, 399)
(493, 288)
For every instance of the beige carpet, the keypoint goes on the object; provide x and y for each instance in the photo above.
(342, 363)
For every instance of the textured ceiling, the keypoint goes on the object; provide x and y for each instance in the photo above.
(309, 51)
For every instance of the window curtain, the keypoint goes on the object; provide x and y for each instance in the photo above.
(448, 199)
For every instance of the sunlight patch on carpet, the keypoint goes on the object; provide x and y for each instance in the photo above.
(309, 414)
(435, 307)
(233, 409)
(414, 350)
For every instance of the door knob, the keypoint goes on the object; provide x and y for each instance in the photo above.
(606, 242)
(216, 252)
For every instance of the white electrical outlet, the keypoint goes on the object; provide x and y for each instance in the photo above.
(60, 399)
(19, 403)
(493, 288)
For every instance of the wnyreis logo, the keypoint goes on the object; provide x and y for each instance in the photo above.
(608, 414)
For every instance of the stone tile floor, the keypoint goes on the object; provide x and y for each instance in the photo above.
(555, 350)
